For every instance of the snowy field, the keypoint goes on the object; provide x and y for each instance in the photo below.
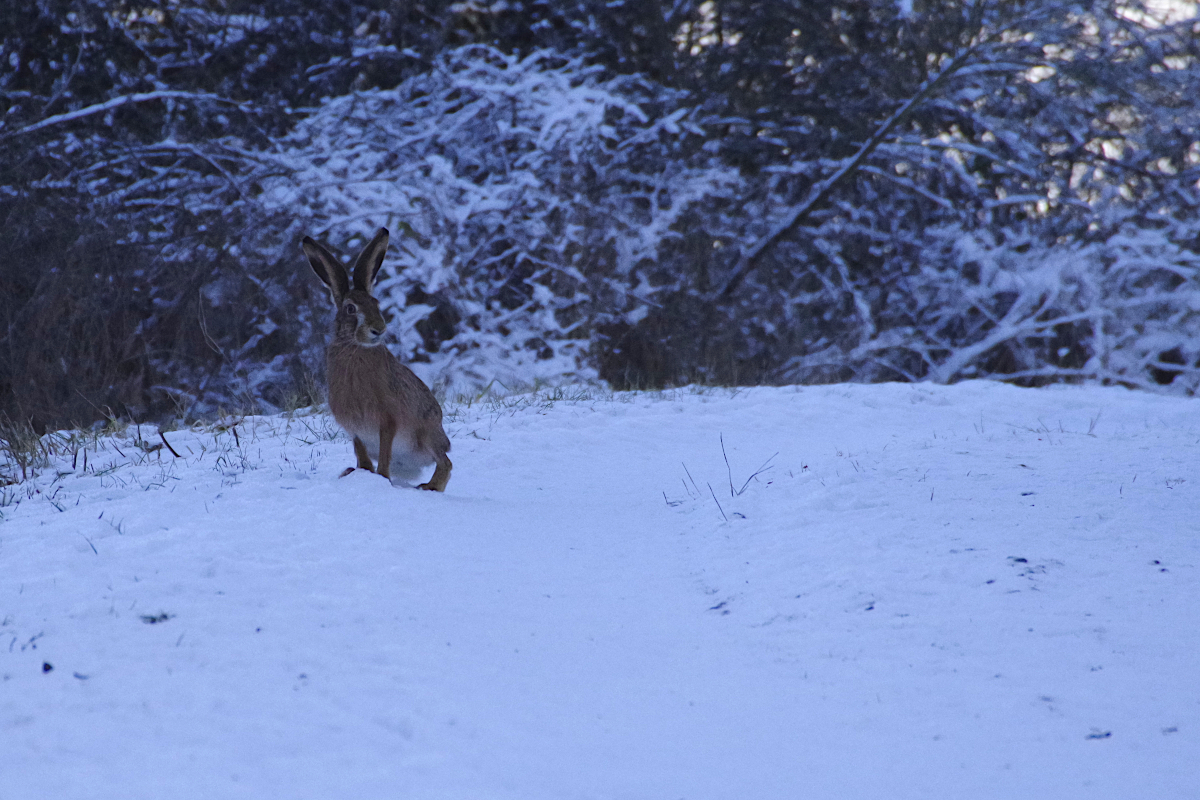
(891, 591)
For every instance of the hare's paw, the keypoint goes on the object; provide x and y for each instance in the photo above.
(348, 470)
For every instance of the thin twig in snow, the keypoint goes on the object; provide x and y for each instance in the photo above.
(728, 471)
(693, 480)
(765, 466)
(718, 502)
(162, 436)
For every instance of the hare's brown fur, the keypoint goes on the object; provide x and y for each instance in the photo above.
(388, 411)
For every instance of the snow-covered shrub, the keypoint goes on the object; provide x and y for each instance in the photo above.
(1124, 309)
(526, 197)
(1030, 224)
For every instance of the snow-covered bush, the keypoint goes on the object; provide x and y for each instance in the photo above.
(526, 197)
(1125, 309)
(1121, 309)
(1035, 223)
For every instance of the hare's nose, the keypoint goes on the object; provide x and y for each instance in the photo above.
(376, 332)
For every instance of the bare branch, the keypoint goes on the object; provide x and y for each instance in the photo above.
(117, 102)
(728, 471)
(820, 191)
(718, 502)
(766, 465)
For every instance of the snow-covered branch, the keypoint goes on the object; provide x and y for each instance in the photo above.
(117, 102)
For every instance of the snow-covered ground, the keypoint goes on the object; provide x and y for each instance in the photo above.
(973, 591)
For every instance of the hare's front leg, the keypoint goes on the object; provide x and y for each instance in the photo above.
(387, 432)
(364, 460)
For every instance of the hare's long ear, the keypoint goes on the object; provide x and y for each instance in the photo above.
(331, 273)
(370, 260)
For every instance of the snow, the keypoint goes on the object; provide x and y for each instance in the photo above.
(929, 592)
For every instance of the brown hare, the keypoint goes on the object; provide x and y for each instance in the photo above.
(391, 415)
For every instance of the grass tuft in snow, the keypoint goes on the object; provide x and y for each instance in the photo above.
(21, 449)
(62, 466)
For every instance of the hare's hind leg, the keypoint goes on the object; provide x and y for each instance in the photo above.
(441, 475)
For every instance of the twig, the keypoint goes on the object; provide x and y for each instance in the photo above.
(718, 502)
(757, 472)
(693, 480)
(728, 471)
(163, 436)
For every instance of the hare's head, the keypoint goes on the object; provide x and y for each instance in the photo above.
(358, 314)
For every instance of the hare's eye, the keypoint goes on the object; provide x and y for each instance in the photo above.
(350, 308)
